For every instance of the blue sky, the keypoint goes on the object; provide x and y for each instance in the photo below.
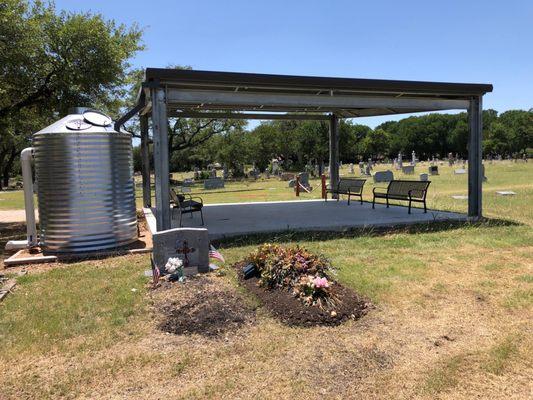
(458, 41)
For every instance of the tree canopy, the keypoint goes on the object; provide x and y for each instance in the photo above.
(51, 60)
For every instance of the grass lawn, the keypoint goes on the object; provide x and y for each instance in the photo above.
(453, 315)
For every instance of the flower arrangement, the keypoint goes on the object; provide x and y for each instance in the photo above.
(173, 265)
(308, 276)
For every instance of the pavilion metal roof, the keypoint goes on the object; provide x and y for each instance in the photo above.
(262, 96)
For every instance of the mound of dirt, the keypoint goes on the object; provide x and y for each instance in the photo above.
(203, 305)
(292, 311)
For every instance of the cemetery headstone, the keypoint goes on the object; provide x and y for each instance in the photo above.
(191, 245)
(275, 166)
(433, 170)
(287, 176)
(213, 173)
(351, 171)
(459, 171)
(400, 161)
(225, 172)
(213, 183)
(505, 193)
(423, 177)
(368, 169)
(413, 158)
(383, 176)
(408, 170)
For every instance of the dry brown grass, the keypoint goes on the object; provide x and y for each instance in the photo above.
(451, 336)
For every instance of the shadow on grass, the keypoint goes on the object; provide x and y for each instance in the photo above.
(317, 236)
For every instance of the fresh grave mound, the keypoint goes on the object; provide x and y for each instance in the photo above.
(298, 287)
(202, 305)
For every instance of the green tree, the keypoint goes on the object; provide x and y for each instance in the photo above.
(50, 61)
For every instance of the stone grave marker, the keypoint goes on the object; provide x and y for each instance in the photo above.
(287, 176)
(423, 177)
(213, 173)
(408, 169)
(459, 171)
(505, 193)
(214, 183)
(383, 176)
(191, 245)
(351, 171)
(433, 170)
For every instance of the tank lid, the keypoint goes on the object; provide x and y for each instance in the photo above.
(83, 119)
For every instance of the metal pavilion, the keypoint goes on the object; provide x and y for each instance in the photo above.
(167, 93)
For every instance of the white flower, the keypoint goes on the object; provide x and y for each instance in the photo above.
(173, 264)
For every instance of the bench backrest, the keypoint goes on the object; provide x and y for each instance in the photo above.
(401, 188)
(176, 198)
(353, 184)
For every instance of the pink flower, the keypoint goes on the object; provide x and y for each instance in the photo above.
(320, 282)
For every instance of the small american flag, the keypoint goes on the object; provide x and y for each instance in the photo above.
(214, 253)
(156, 274)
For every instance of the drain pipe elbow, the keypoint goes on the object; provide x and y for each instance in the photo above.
(26, 157)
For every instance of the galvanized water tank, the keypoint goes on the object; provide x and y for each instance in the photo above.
(85, 188)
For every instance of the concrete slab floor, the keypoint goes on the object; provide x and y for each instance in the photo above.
(235, 219)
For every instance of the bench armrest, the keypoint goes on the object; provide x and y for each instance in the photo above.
(199, 198)
(384, 190)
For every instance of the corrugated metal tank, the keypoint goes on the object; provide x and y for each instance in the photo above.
(85, 187)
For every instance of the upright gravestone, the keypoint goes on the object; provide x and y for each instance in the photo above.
(225, 172)
(383, 176)
(408, 170)
(213, 173)
(304, 178)
(190, 245)
(433, 170)
(368, 169)
(213, 183)
(351, 171)
(400, 161)
(424, 177)
(413, 158)
(275, 167)
(362, 168)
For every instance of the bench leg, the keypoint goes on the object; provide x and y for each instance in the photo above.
(374, 202)
(409, 212)
(361, 197)
(387, 201)
(349, 199)
(202, 215)
(425, 208)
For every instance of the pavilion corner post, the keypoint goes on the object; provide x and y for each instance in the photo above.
(145, 162)
(160, 139)
(334, 152)
(475, 173)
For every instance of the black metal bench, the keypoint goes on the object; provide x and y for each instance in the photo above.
(349, 187)
(186, 205)
(411, 191)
